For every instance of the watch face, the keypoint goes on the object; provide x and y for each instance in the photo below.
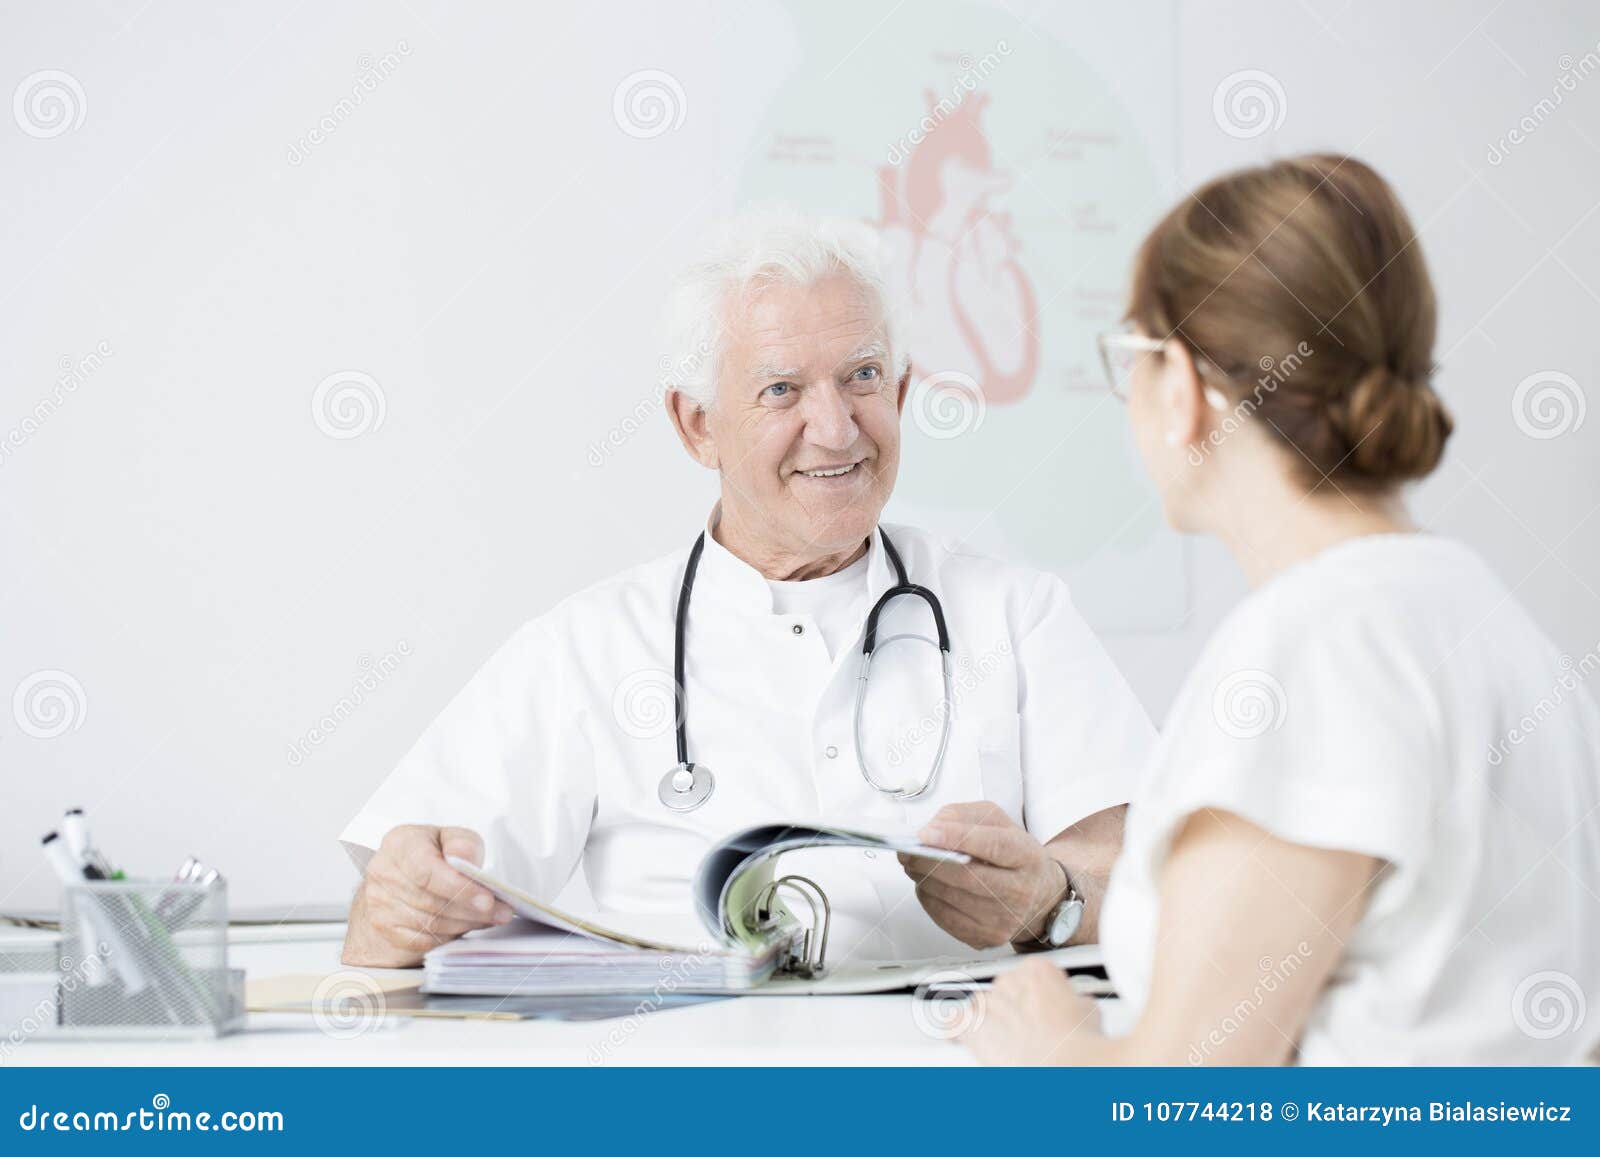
(1066, 922)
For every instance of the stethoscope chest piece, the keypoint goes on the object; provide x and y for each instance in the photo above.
(686, 787)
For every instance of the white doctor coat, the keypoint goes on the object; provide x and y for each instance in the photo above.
(554, 750)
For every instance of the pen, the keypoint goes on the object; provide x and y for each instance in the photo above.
(76, 833)
(91, 964)
(75, 828)
(175, 982)
(97, 922)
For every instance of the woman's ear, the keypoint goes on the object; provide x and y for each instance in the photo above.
(690, 420)
(1183, 400)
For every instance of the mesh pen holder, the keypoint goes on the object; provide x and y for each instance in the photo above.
(146, 958)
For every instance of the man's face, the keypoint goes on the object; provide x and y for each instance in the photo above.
(806, 426)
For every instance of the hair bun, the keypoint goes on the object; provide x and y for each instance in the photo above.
(1242, 268)
(1394, 428)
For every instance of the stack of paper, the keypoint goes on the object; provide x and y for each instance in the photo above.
(524, 957)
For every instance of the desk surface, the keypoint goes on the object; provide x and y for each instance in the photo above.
(797, 1030)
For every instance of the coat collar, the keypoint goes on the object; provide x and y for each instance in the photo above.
(739, 585)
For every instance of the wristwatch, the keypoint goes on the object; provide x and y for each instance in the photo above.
(1065, 917)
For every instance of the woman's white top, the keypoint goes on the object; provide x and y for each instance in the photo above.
(1391, 697)
(555, 750)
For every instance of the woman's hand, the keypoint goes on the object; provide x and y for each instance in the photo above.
(1033, 1016)
(1234, 978)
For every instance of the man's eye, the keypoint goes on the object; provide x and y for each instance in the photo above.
(778, 390)
(867, 374)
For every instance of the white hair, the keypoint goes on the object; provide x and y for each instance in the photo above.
(760, 247)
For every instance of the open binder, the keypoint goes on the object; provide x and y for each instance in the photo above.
(753, 940)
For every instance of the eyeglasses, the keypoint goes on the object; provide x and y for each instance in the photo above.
(1120, 352)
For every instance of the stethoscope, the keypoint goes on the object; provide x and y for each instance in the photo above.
(688, 785)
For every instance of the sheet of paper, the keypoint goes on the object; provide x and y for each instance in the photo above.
(541, 913)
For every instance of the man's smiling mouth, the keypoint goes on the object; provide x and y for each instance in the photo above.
(829, 471)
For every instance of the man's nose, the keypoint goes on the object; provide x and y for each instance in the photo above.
(830, 422)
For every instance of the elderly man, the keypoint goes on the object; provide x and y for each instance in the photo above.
(561, 751)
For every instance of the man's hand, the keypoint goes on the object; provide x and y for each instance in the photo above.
(412, 900)
(1004, 895)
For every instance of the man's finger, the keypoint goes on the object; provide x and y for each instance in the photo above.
(460, 895)
(971, 891)
(1005, 847)
(444, 927)
(400, 889)
(426, 905)
(975, 878)
(921, 867)
(978, 878)
(956, 922)
(463, 843)
(417, 939)
(973, 812)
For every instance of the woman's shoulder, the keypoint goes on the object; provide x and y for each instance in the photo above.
(1367, 622)
(1401, 582)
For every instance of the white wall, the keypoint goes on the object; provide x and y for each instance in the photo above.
(1426, 92)
(214, 570)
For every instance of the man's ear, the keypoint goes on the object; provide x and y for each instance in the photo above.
(689, 419)
(903, 389)
(1183, 395)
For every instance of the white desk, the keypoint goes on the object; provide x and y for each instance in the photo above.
(797, 1030)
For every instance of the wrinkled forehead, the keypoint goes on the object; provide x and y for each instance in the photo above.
(784, 329)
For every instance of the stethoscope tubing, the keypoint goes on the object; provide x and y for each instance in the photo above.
(903, 587)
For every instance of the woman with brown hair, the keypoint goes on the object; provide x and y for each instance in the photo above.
(1370, 831)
